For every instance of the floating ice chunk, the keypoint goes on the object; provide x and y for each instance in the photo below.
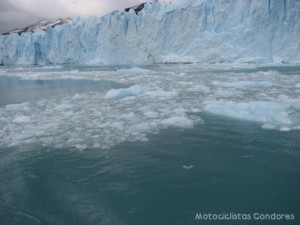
(22, 119)
(127, 116)
(63, 107)
(200, 88)
(81, 147)
(139, 127)
(246, 156)
(283, 97)
(134, 71)
(223, 93)
(161, 94)
(244, 84)
(285, 129)
(187, 167)
(296, 105)
(74, 71)
(274, 113)
(268, 126)
(16, 106)
(153, 106)
(151, 114)
(124, 92)
(178, 121)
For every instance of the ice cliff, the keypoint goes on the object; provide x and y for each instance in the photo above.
(210, 31)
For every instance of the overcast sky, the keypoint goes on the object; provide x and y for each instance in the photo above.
(20, 13)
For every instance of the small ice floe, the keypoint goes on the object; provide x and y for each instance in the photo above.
(178, 121)
(285, 129)
(21, 119)
(202, 89)
(124, 92)
(246, 156)
(187, 167)
(268, 126)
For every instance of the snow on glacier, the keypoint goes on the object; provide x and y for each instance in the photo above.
(187, 31)
(168, 96)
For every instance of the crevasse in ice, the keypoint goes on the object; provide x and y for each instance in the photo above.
(211, 31)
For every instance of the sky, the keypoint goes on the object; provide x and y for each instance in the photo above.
(20, 13)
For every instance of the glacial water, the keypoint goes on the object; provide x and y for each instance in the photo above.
(153, 145)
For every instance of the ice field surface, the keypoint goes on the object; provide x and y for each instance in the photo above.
(145, 102)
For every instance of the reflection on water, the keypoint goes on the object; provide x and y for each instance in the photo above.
(14, 90)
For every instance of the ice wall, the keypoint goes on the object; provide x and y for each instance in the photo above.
(265, 31)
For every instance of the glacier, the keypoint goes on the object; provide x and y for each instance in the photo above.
(203, 31)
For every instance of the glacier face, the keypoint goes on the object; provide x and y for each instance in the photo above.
(207, 31)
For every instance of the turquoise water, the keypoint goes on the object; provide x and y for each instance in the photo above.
(220, 165)
(14, 90)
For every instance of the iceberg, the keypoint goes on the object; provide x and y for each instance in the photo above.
(275, 113)
(124, 92)
(204, 31)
